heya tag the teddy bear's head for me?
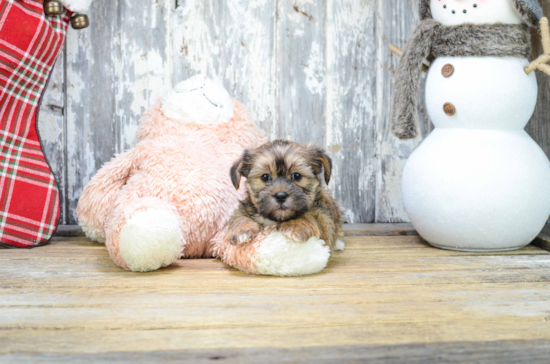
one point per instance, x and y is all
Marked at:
(201, 109)
(198, 100)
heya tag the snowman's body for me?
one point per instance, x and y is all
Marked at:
(478, 182)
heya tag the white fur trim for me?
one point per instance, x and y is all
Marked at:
(150, 240)
(77, 6)
(199, 100)
(279, 256)
(340, 245)
(93, 233)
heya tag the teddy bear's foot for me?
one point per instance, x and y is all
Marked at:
(93, 233)
(151, 239)
(279, 256)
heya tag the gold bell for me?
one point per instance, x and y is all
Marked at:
(80, 21)
(53, 7)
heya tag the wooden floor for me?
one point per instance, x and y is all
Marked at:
(386, 299)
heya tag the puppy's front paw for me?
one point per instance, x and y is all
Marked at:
(298, 231)
(241, 237)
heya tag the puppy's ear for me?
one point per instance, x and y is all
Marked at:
(326, 161)
(321, 159)
(240, 168)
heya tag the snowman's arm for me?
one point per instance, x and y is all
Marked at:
(399, 52)
(541, 62)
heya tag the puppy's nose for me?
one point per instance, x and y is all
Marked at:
(281, 196)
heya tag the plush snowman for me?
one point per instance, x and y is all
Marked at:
(478, 182)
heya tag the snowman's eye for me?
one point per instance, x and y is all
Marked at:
(454, 12)
(464, 11)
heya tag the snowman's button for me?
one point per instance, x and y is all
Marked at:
(448, 70)
(449, 109)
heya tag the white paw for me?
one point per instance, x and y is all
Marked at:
(199, 100)
(279, 256)
(340, 245)
(93, 233)
(151, 239)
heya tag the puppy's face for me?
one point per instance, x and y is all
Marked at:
(282, 178)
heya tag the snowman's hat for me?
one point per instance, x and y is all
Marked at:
(529, 10)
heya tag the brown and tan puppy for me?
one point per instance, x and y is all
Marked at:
(285, 192)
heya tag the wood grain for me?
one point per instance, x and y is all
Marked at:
(539, 127)
(301, 63)
(90, 106)
(233, 42)
(505, 352)
(69, 300)
(52, 128)
(308, 71)
(351, 106)
(349, 230)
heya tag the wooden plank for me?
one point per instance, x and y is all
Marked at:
(69, 298)
(301, 48)
(488, 352)
(379, 229)
(91, 107)
(233, 42)
(538, 127)
(69, 231)
(142, 63)
(116, 69)
(543, 239)
(349, 230)
(350, 112)
(51, 127)
(396, 20)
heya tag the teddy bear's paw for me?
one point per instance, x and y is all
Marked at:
(93, 233)
(279, 256)
(151, 239)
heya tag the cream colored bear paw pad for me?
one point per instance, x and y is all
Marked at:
(150, 240)
(279, 256)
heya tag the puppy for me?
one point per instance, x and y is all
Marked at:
(285, 192)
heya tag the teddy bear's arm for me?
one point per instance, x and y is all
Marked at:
(98, 196)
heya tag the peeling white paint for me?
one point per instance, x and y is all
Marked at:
(307, 70)
(314, 70)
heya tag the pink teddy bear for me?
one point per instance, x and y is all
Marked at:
(171, 195)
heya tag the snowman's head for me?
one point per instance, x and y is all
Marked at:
(456, 12)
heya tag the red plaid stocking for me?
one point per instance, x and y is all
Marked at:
(30, 42)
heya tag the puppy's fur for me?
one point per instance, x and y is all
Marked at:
(285, 192)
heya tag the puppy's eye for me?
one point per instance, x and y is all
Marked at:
(265, 177)
(296, 177)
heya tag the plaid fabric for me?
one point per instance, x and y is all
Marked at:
(29, 45)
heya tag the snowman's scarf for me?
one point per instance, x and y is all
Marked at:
(430, 40)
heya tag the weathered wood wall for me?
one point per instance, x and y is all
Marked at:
(309, 70)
